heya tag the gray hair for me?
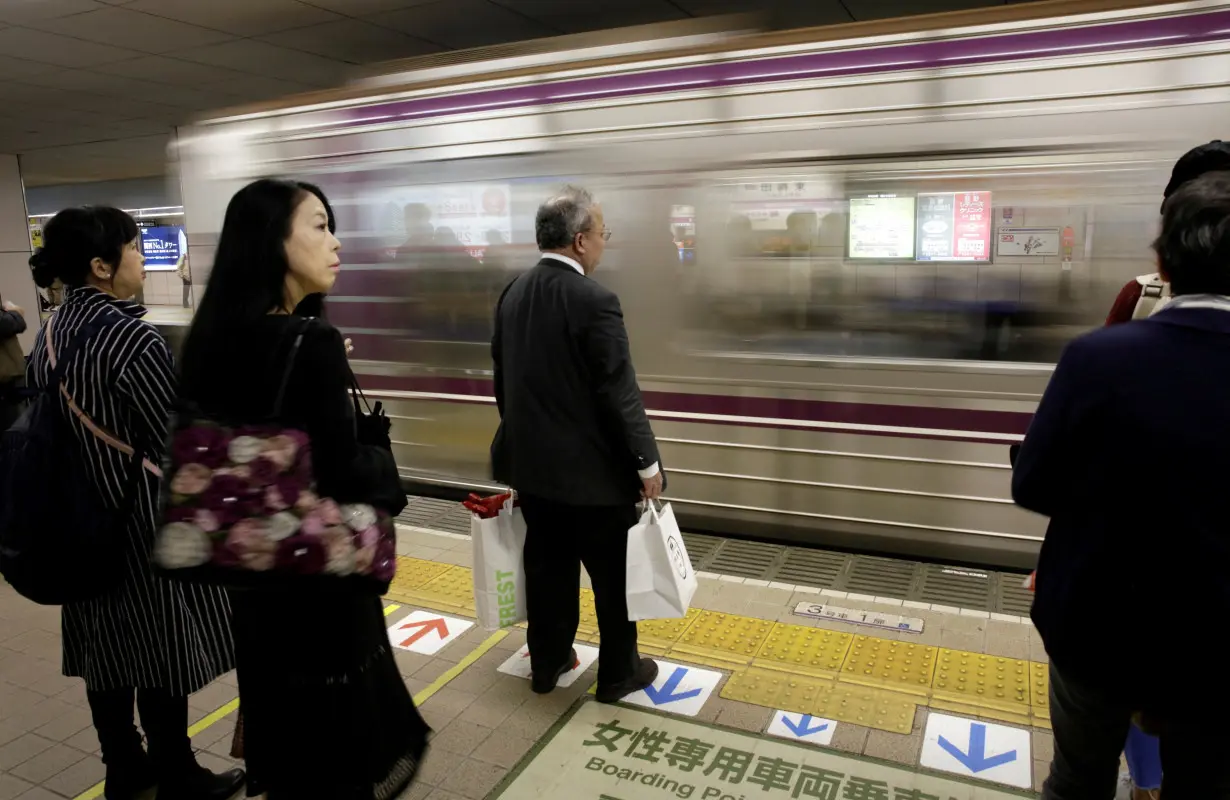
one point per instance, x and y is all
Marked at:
(561, 218)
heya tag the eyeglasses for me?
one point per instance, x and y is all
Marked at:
(605, 233)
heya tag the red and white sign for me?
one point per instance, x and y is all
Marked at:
(973, 226)
(519, 664)
(426, 633)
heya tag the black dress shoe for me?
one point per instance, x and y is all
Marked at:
(201, 784)
(646, 673)
(546, 683)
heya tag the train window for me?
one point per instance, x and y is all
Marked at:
(970, 257)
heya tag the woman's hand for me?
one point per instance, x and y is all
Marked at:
(349, 348)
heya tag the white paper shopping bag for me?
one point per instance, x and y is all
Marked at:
(499, 572)
(660, 577)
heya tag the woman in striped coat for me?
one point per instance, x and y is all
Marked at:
(148, 637)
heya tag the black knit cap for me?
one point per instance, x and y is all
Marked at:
(1211, 157)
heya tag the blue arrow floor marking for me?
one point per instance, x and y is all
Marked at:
(667, 693)
(976, 759)
(803, 727)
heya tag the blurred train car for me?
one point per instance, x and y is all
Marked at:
(847, 256)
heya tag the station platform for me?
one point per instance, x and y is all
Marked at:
(767, 689)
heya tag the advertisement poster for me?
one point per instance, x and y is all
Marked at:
(162, 245)
(1028, 242)
(881, 226)
(954, 226)
(935, 226)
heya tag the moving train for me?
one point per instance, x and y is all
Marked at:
(848, 256)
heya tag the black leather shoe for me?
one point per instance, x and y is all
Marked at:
(201, 784)
(546, 683)
(646, 673)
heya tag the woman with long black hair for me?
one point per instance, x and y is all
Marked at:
(325, 710)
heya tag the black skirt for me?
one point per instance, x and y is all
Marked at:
(325, 710)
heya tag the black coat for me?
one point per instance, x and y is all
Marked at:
(573, 428)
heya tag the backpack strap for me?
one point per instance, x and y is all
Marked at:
(1154, 295)
(60, 366)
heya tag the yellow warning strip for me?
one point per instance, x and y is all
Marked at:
(203, 723)
(459, 667)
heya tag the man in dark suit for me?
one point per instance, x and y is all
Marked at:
(1127, 455)
(575, 442)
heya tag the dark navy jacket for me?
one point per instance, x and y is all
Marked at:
(1129, 455)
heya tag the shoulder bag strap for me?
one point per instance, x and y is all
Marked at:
(58, 369)
(290, 367)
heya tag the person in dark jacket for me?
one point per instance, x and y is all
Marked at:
(325, 710)
(150, 638)
(1138, 408)
(575, 441)
(12, 362)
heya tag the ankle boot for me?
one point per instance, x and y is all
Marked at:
(129, 777)
(199, 783)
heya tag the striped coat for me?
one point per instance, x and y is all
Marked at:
(148, 632)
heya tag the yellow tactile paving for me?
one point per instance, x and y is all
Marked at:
(902, 666)
(800, 648)
(822, 697)
(981, 680)
(852, 678)
(723, 639)
(412, 573)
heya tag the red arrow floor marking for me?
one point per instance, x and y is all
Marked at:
(425, 627)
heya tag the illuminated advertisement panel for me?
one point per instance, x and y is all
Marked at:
(954, 226)
(881, 227)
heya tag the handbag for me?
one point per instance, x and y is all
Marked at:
(660, 579)
(241, 510)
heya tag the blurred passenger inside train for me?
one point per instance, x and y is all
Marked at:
(325, 710)
(1141, 296)
(12, 362)
(1123, 456)
(420, 234)
(575, 441)
(150, 637)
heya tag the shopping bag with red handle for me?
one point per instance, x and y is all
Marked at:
(497, 536)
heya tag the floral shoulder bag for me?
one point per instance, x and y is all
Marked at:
(240, 509)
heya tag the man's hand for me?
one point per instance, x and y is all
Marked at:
(652, 487)
(15, 308)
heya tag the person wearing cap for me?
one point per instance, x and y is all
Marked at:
(1142, 409)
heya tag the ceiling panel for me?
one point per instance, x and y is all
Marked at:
(359, 8)
(19, 12)
(18, 68)
(240, 17)
(256, 87)
(261, 58)
(176, 71)
(886, 9)
(572, 17)
(51, 48)
(353, 41)
(131, 29)
(463, 23)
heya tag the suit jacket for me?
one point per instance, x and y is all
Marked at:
(573, 428)
(1128, 456)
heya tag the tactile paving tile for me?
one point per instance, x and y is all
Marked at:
(903, 666)
(665, 632)
(723, 639)
(412, 573)
(798, 648)
(860, 705)
(1040, 693)
(587, 629)
(966, 710)
(983, 681)
(451, 591)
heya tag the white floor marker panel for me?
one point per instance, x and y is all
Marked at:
(678, 689)
(518, 665)
(996, 753)
(426, 632)
(802, 728)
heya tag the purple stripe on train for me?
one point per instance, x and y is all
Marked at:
(1099, 38)
(947, 423)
